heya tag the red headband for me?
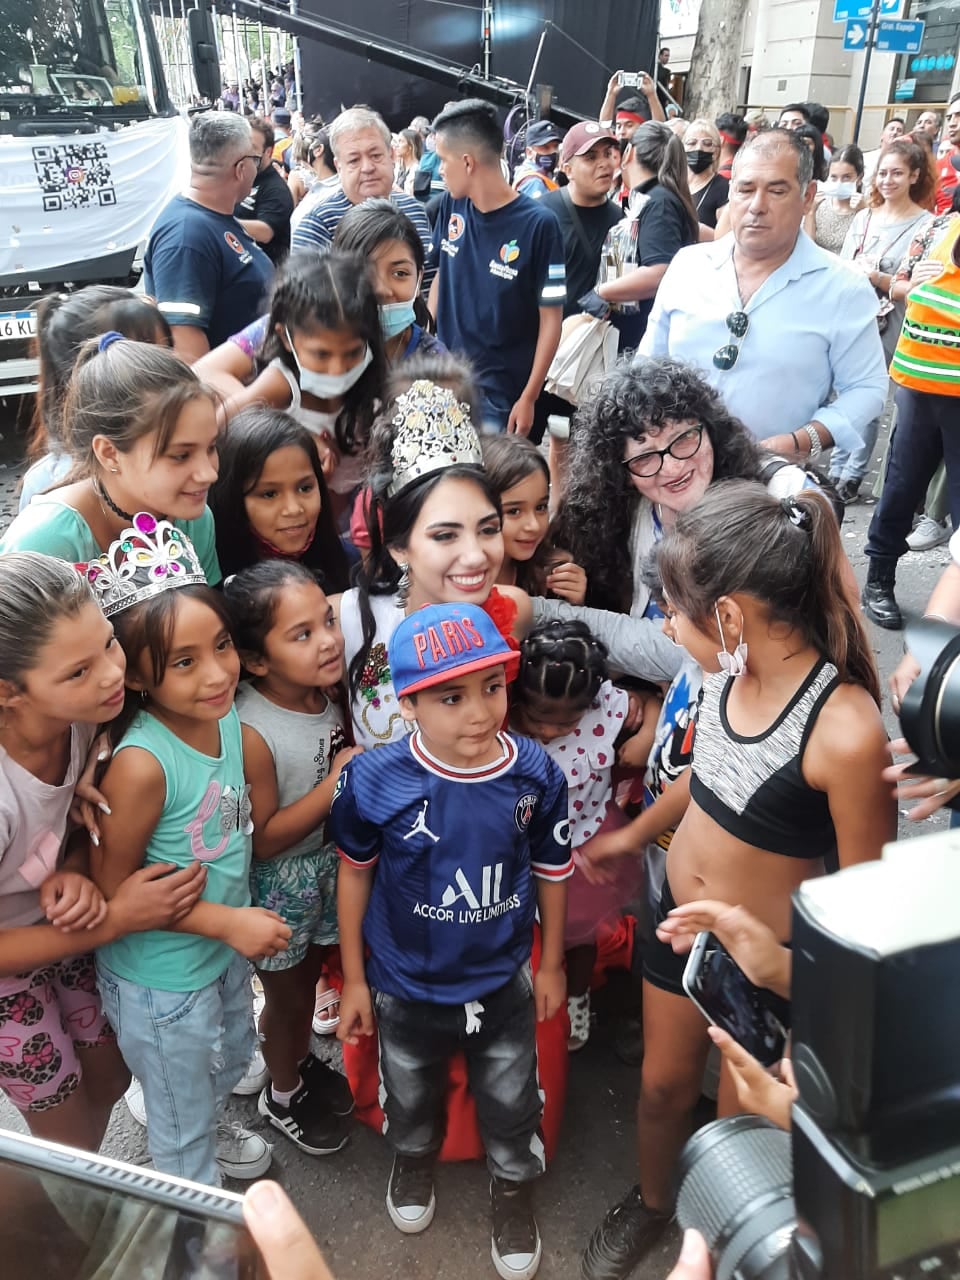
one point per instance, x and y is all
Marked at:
(729, 140)
(630, 115)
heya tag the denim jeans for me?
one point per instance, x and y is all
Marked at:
(188, 1049)
(497, 1035)
(926, 435)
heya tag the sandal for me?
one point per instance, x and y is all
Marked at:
(324, 1023)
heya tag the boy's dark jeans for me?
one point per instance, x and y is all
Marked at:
(417, 1041)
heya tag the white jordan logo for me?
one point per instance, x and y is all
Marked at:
(420, 827)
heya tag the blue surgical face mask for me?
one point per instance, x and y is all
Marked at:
(395, 317)
(330, 386)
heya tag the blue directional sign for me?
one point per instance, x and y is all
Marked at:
(846, 9)
(843, 10)
(855, 34)
(899, 37)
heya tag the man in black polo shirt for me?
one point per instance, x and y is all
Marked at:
(265, 213)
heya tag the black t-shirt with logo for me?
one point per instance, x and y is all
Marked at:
(270, 201)
(596, 221)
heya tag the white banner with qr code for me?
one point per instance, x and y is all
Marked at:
(65, 198)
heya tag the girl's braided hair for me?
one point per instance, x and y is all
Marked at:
(561, 660)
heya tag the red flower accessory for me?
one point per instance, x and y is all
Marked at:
(502, 612)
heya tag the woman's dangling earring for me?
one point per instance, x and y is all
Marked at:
(403, 586)
(734, 664)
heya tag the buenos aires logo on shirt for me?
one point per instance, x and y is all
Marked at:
(508, 253)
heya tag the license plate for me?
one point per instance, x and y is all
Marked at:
(17, 324)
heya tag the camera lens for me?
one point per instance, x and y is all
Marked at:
(736, 1188)
(930, 713)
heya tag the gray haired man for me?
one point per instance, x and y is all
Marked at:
(208, 275)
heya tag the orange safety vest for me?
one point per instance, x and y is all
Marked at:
(927, 357)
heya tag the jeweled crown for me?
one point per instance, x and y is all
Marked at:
(433, 431)
(148, 558)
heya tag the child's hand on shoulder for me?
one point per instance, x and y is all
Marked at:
(157, 897)
(87, 799)
(343, 758)
(568, 581)
(256, 932)
(549, 991)
(356, 1012)
(72, 901)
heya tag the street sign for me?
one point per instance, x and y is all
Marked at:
(843, 10)
(899, 37)
(855, 34)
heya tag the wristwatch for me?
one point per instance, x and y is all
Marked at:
(816, 444)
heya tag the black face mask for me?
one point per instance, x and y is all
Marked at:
(699, 161)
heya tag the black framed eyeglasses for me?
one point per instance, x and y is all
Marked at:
(255, 159)
(738, 322)
(644, 465)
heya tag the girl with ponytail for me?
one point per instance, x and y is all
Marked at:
(785, 782)
(661, 220)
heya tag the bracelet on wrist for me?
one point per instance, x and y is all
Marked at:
(796, 443)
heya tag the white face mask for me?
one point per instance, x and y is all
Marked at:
(734, 664)
(330, 386)
(841, 190)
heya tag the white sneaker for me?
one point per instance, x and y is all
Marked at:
(254, 1078)
(929, 533)
(135, 1103)
(578, 1011)
(241, 1153)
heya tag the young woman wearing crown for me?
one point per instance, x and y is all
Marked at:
(435, 530)
(435, 533)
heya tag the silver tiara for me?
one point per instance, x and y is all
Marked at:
(148, 558)
(433, 431)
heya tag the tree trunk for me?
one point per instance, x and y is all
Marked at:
(714, 80)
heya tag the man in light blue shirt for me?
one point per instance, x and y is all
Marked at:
(785, 332)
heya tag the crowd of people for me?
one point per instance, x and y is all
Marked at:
(314, 657)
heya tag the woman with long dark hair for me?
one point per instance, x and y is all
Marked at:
(662, 218)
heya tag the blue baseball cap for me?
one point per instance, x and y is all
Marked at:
(441, 641)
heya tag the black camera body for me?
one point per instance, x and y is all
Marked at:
(874, 1189)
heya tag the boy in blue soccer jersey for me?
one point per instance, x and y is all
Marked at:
(449, 841)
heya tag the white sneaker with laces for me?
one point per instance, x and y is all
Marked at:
(254, 1078)
(578, 1011)
(929, 533)
(241, 1153)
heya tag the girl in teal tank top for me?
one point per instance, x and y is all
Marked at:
(180, 1000)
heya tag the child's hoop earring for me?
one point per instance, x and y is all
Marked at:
(403, 585)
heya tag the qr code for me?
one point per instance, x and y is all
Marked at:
(74, 175)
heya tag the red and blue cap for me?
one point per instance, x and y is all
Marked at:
(441, 641)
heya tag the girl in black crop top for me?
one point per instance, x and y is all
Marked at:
(785, 780)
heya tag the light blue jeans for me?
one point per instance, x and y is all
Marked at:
(188, 1049)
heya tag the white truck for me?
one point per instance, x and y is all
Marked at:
(91, 148)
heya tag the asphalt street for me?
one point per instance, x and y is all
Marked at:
(342, 1196)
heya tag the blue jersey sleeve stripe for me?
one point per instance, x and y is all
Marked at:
(548, 872)
(357, 862)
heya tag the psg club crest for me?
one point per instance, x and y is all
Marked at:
(523, 813)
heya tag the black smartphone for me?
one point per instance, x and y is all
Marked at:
(70, 1215)
(756, 1018)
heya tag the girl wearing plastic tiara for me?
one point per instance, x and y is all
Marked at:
(563, 698)
(65, 323)
(294, 746)
(142, 433)
(435, 538)
(270, 499)
(322, 360)
(61, 675)
(181, 1000)
(785, 781)
(521, 476)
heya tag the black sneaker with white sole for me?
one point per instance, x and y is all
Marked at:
(328, 1084)
(307, 1121)
(411, 1201)
(514, 1237)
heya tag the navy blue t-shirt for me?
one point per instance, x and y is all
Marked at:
(496, 270)
(205, 271)
(451, 910)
